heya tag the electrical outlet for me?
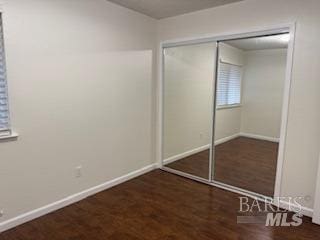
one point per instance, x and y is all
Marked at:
(78, 171)
(1, 212)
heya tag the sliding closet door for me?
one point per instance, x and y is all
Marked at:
(188, 92)
(249, 99)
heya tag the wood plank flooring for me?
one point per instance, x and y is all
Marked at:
(242, 162)
(155, 206)
(247, 163)
(196, 164)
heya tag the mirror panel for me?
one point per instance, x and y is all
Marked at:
(249, 99)
(188, 107)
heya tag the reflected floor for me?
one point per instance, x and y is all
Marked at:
(196, 164)
(242, 162)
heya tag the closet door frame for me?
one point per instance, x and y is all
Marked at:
(316, 208)
(283, 28)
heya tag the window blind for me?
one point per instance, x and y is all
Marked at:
(228, 85)
(4, 109)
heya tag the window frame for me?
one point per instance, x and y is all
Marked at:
(234, 105)
(6, 133)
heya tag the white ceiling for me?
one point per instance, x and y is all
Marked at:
(260, 43)
(168, 8)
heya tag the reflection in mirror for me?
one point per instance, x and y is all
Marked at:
(187, 107)
(250, 85)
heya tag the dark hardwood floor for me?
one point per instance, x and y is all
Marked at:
(156, 206)
(242, 162)
(196, 164)
(247, 163)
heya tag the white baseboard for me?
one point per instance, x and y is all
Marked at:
(304, 210)
(226, 139)
(197, 150)
(186, 154)
(217, 142)
(26, 217)
(260, 137)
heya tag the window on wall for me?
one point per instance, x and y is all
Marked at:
(4, 108)
(228, 85)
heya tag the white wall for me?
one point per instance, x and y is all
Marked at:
(231, 54)
(188, 89)
(72, 102)
(303, 135)
(80, 85)
(262, 92)
(188, 93)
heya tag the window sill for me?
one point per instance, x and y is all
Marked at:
(10, 137)
(228, 106)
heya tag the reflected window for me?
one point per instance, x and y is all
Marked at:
(229, 85)
(4, 109)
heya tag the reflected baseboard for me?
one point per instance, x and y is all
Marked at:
(217, 142)
(185, 154)
(259, 137)
(197, 150)
(226, 139)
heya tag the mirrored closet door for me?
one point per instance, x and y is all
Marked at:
(222, 111)
(188, 82)
(249, 99)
